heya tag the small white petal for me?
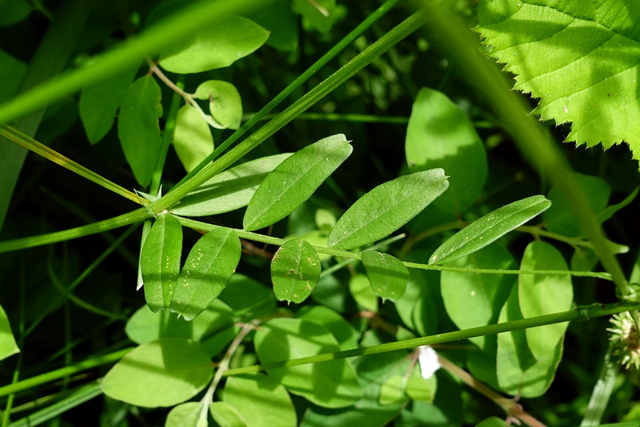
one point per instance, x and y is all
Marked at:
(428, 361)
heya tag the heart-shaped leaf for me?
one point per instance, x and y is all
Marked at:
(295, 270)
(386, 208)
(160, 261)
(208, 268)
(387, 274)
(489, 228)
(295, 180)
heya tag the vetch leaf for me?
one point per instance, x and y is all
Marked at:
(160, 261)
(342, 331)
(489, 228)
(361, 291)
(248, 298)
(580, 58)
(188, 414)
(138, 127)
(159, 373)
(440, 135)
(282, 23)
(219, 46)
(192, 139)
(317, 14)
(331, 384)
(294, 181)
(8, 345)
(392, 391)
(208, 268)
(387, 274)
(386, 208)
(247, 395)
(225, 104)
(541, 294)
(226, 415)
(99, 103)
(229, 190)
(295, 270)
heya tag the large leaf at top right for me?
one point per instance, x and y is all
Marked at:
(581, 58)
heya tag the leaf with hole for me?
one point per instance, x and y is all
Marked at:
(294, 181)
(159, 373)
(192, 139)
(331, 384)
(160, 261)
(386, 208)
(229, 190)
(247, 394)
(138, 127)
(225, 104)
(208, 268)
(218, 46)
(387, 274)
(489, 228)
(295, 270)
(440, 135)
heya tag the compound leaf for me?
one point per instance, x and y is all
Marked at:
(489, 228)
(226, 415)
(295, 180)
(386, 208)
(208, 268)
(580, 58)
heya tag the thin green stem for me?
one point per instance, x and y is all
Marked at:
(299, 81)
(580, 313)
(63, 372)
(40, 149)
(394, 36)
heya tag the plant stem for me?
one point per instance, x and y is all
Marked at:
(580, 313)
(29, 143)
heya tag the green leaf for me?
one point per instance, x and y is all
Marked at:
(281, 22)
(248, 298)
(160, 261)
(145, 326)
(318, 14)
(561, 218)
(192, 139)
(188, 414)
(8, 345)
(159, 373)
(331, 384)
(473, 299)
(99, 103)
(519, 372)
(295, 270)
(492, 422)
(11, 73)
(225, 104)
(361, 290)
(387, 274)
(226, 415)
(440, 135)
(138, 127)
(541, 294)
(12, 12)
(578, 57)
(392, 391)
(219, 46)
(489, 228)
(609, 211)
(247, 395)
(341, 330)
(386, 208)
(208, 268)
(294, 181)
(229, 190)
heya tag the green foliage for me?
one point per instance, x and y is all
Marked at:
(577, 57)
(420, 295)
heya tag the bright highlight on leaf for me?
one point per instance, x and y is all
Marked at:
(489, 228)
(229, 190)
(160, 261)
(580, 58)
(192, 139)
(8, 345)
(387, 274)
(295, 270)
(208, 268)
(295, 180)
(386, 208)
(160, 373)
(225, 104)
